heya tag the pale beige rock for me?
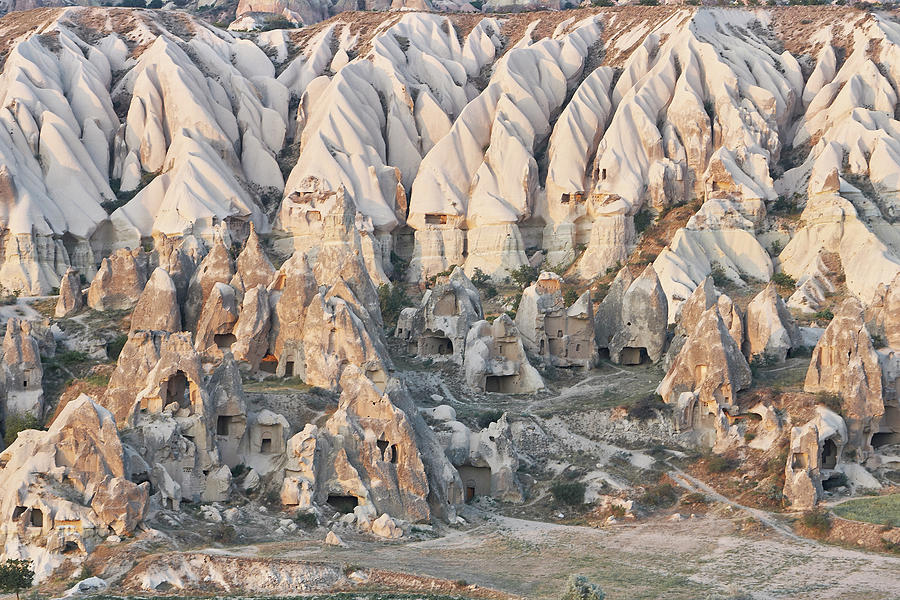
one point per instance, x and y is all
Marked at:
(608, 318)
(119, 281)
(121, 504)
(176, 256)
(252, 328)
(496, 360)
(385, 527)
(332, 539)
(71, 296)
(802, 476)
(292, 291)
(771, 330)
(642, 333)
(214, 329)
(216, 267)
(157, 308)
(252, 267)
(844, 362)
(22, 370)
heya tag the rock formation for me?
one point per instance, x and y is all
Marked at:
(845, 363)
(65, 489)
(216, 267)
(157, 308)
(802, 474)
(608, 318)
(563, 336)
(252, 267)
(642, 332)
(438, 327)
(22, 371)
(771, 330)
(71, 296)
(705, 377)
(217, 320)
(496, 361)
(119, 281)
(251, 330)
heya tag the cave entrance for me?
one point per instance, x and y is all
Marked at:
(223, 425)
(885, 438)
(829, 454)
(265, 445)
(70, 546)
(436, 345)
(501, 384)
(289, 368)
(224, 341)
(387, 451)
(177, 390)
(18, 512)
(476, 481)
(37, 517)
(634, 356)
(343, 504)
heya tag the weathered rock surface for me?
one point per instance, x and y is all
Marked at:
(119, 281)
(22, 371)
(845, 363)
(157, 308)
(802, 474)
(71, 296)
(642, 327)
(252, 267)
(771, 330)
(216, 267)
(496, 361)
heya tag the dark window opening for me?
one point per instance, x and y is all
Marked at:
(224, 341)
(394, 454)
(289, 369)
(265, 446)
(269, 364)
(885, 438)
(829, 454)
(435, 219)
(382, 447)
(435, 344)
(343, 504)
(222, 425)
(559, 333)
(24, 383)
(70, 546)
(18, 512)
(501, 384)
(37, 517)
(603, 174)
(470, 493)
(835, 481)
(799, 461)
(177, 390)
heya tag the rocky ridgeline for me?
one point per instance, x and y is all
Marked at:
(146, 156)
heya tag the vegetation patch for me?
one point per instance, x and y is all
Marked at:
(881, 510)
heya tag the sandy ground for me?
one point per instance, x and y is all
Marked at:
(705, 557)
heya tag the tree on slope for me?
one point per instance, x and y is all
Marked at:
(15, 575)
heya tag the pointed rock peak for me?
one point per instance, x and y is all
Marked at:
(157, 308)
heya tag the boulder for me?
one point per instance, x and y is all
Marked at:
(71, 296)
(157, 308)
(771, 330)
(121, 504)
(608, 318)
(844, 362)
(385, 527)
(119, 281)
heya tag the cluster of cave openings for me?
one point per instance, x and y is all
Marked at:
(501, 384)
(177, 390)
(343, 504)
(634, 356)
(387, 451)
(37, 515)
(435, 344)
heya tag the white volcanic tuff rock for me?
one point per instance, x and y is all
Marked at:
(376, 449)
(22, 371)
(844, 362)
(462, 181)
(496, 361)
(802, 472)
(771, 330)
(216, 267)
(217, 319)
(66, 486)
(252, 328)
(643, 321)
(438, 327)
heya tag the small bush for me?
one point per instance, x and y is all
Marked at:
(483, 282)
(568, 492)
(720, 464)
(817, 521)
(719, 277)
(223, 533)
(662, 496)
(830, 401)
(71, 357)
(646, 408)
(749, 436)
(17, 423)
(15, 575)
(306, 520)
(524, 276)
(114, 347)
(784, 280)
(694, 498)
(642, 221)
(579, 588)
(392, 300)
(824, 315)
(238, 470)
(570, 297)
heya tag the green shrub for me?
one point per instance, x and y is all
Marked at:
(749, 436)
(568, 492)
(570, 297)
(524, 276)
(238, 470)
(817, 521)
(824, 315)
(484, 283)
(784, 280)
(831, 401)
(642, 221)
(579, 588)
(392, 299)
(488, 417)
(719, 277)
(306, 520)
(646, 408)
(114, 346)
(720, 464)
(18, 422)
(71, 357)
(661, 495)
